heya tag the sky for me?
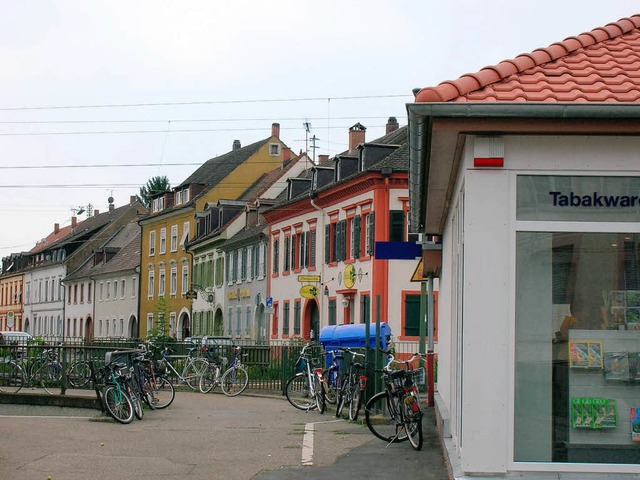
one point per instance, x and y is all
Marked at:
(98, 97)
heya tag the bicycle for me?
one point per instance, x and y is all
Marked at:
(16, 372)
(305, 390)
(232, 382)
(78, 373)
(192, 369)
(160, 390)
(352, 387)
(114, 396)
(394, 414)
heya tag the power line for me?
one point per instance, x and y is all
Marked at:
(194, 120)
(210, 102)
(118, 132)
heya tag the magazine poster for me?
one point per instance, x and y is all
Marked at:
(578, 354)
(635, 424)
(616, 366)
(585, 354)
(595, 354)
(593, 413)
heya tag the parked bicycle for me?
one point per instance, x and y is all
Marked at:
(17, 371)
(394, 414)
(114, 395)
(155, 379)
(191, 370)
(232, 382)
(305, 390)
(352, 386)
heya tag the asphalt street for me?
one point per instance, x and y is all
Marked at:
(205, 437)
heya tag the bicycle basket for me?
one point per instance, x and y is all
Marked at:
(301, 365)
(398, 378)
(418, 376)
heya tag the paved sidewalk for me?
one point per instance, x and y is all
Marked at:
(205, 437)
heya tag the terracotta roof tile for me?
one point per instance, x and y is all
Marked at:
(602, 65)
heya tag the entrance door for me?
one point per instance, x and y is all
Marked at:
(311, 320)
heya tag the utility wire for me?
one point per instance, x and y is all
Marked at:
(195, 120)
(211, 102)
(118, 132)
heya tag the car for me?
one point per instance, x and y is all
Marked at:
(11, 337)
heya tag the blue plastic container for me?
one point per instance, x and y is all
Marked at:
(353, 336)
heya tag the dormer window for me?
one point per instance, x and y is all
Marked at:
(178, 197)
(158, 204)
(274, 149)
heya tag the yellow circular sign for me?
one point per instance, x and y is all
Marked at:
(309, 291)
(349, 276)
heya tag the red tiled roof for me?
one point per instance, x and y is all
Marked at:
(51, 239)
(602, 65)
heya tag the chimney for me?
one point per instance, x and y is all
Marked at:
(56, 228)
(236, 145)
(322, 159)
(392, 125)
(74, 222)
(286, 154)
(275, 130)
(132, 199)
(356, 136)
(96, 212)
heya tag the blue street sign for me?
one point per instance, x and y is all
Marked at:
(269, 302)
(398, 250)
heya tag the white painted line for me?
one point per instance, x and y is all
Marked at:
(307, 445)
(43, 416)
(307, 442)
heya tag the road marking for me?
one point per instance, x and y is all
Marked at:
(307, 442)
(42, 416)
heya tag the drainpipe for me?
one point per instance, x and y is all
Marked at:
(322, 277)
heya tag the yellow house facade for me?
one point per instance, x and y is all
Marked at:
(165, 264)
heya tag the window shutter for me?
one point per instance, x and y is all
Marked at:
(372, 234)
(312, 261)
(356, 236)
(276, 246)
(327, 243)
(287, 243)
(294, 261)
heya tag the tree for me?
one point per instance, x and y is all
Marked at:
(153, 186)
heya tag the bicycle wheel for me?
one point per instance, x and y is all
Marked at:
(163, 392)
(234, 381)
(193, 371)
(11, 377)
(355, 402)
(134, 396)
(209, 378)
(79, 375)
(382, 418)
(118, 404)
(412, 421)
(298, 392)
(330, 387)
(319, 391)
(48, 377)
(341, 396)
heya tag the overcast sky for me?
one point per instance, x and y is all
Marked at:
(108, 94)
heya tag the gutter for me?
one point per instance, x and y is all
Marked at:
(421, 116)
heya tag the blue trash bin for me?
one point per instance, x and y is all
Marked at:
(333, 337)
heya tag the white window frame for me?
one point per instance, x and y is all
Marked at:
(174, 281)
(149, 323)
(162, 282)
(185, 233)
(134, 286)
(163, 240)
(185, 278)
(274, 149)
(151, 284)
(174, 238)
(152, 243)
